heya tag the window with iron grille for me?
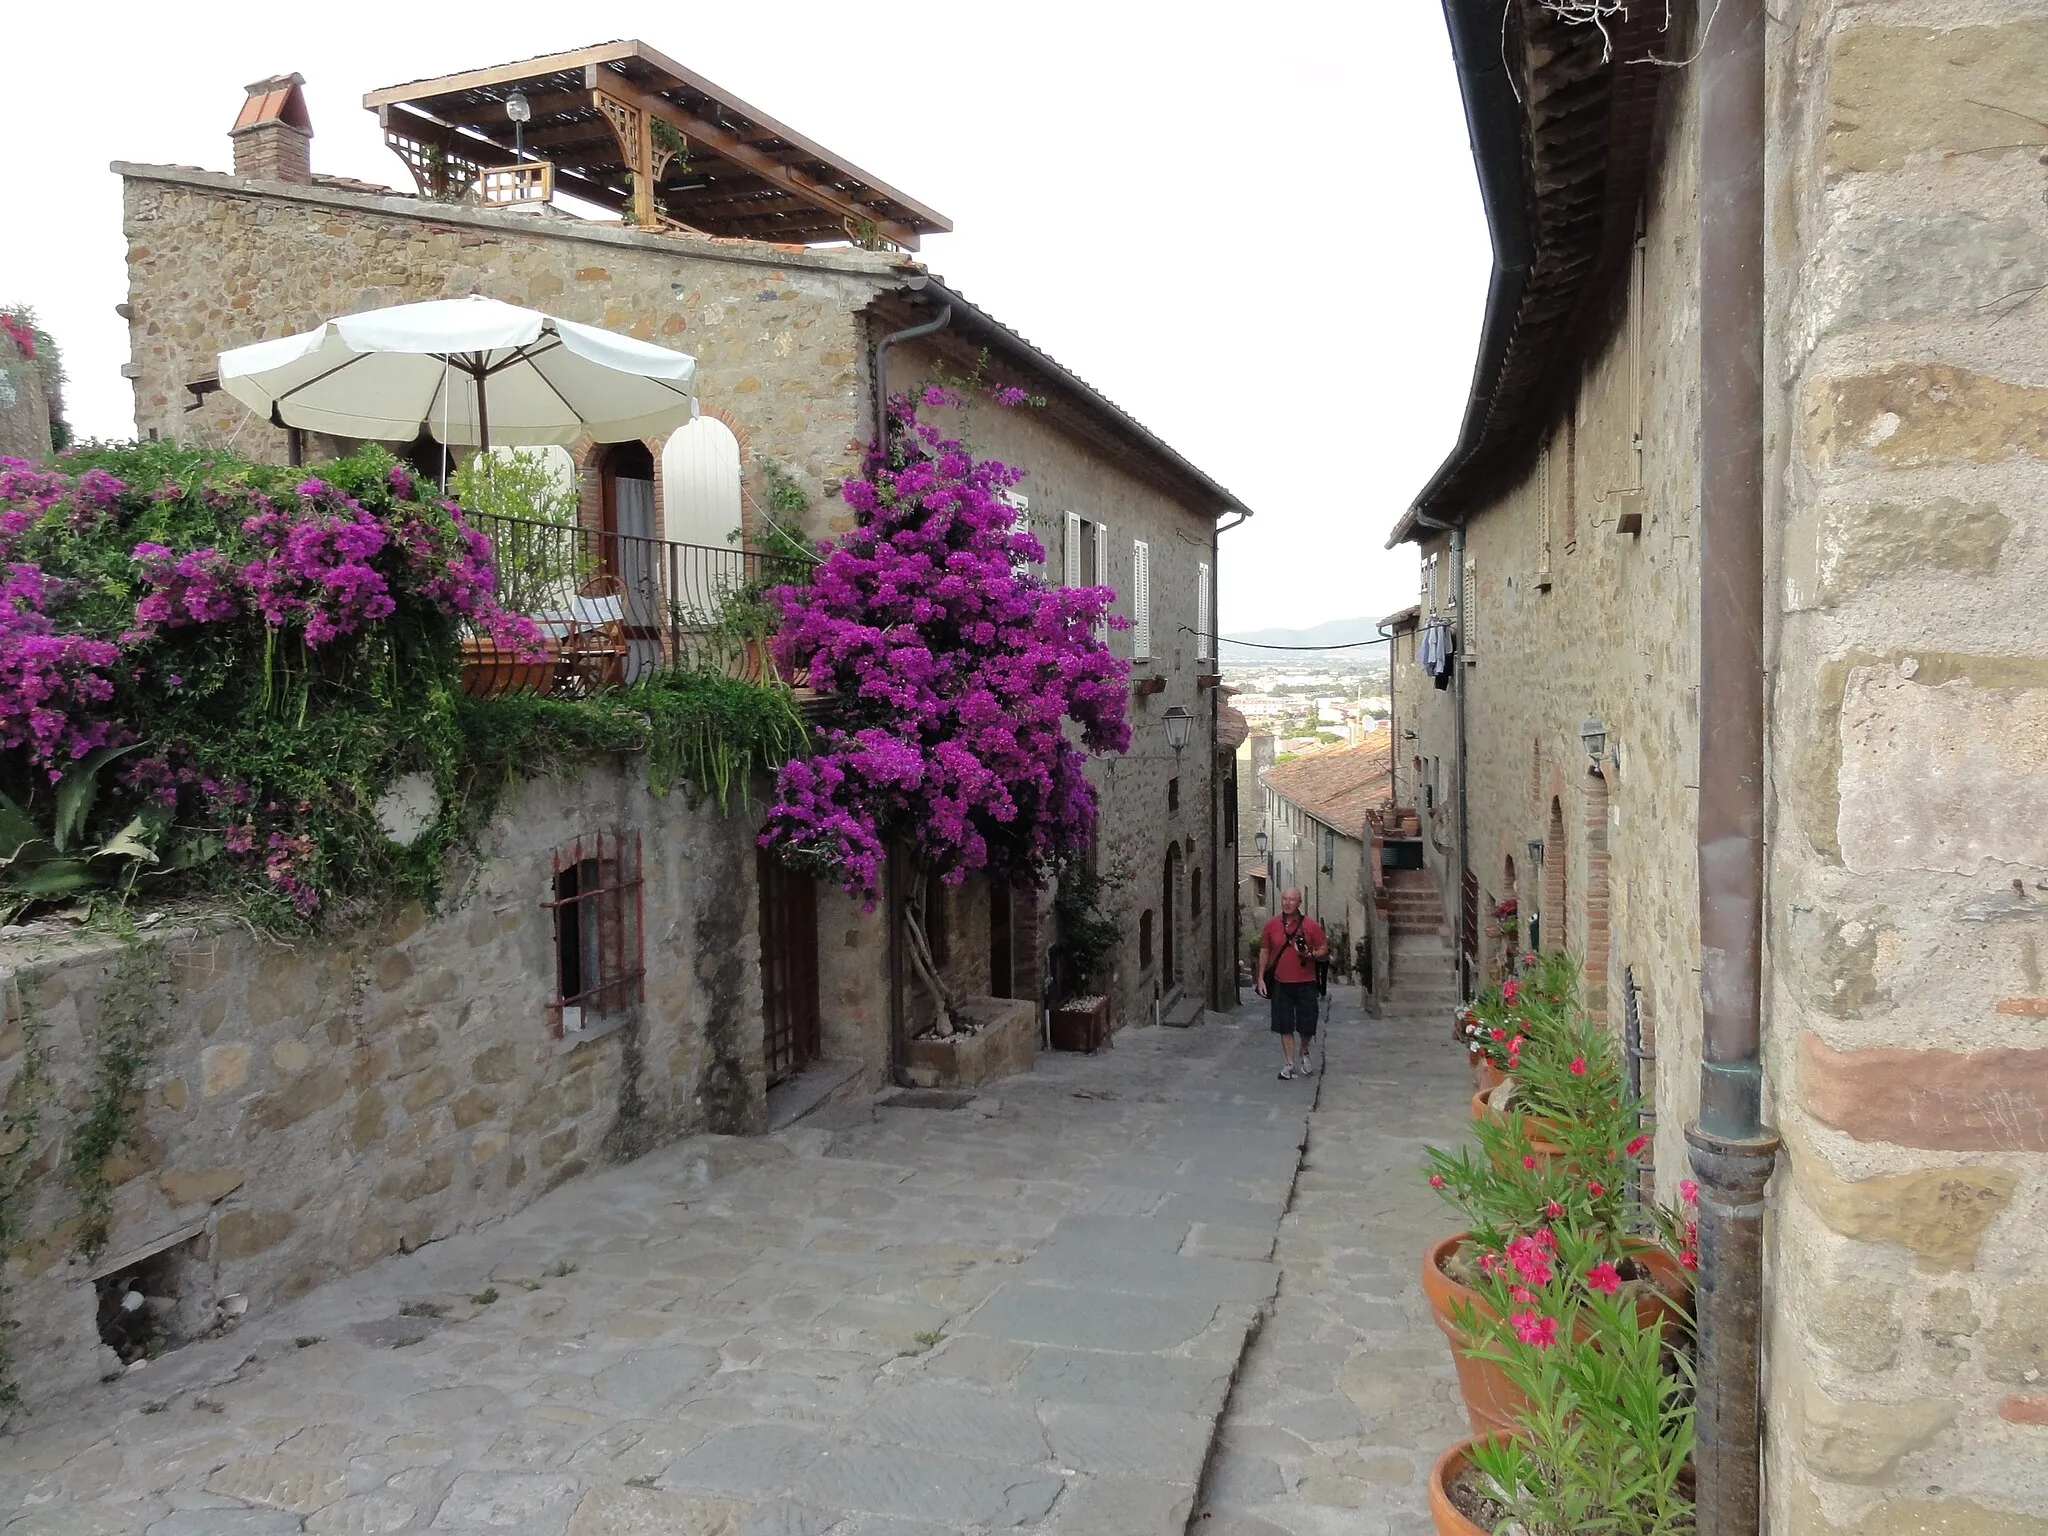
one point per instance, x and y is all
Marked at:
(595, 900)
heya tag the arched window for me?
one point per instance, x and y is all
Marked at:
(700, 484)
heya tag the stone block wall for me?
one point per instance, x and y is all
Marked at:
(307, 1109)
(1909, 845)
(215, 262)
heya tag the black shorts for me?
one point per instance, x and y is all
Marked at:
(1294, 1008)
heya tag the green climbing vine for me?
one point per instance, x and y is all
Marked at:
(21, 1114)
(126, 1030)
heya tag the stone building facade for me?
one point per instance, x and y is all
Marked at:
(1907, 1356)
(789, 342)
(305, 1110)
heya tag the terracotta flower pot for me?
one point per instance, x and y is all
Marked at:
(1492, 1402)
(1485, 1075)
(1539, 1144)
(1449, 1522)
(491, 670)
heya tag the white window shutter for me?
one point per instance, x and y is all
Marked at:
(1205, 642)
(1141, 598)
(1102, 577)
(1071, 574)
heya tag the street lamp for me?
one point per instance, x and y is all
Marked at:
(1262, 842)
(1180, 721)
(520, 110)
(1593, 736)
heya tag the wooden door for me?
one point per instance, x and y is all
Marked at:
(789, 967)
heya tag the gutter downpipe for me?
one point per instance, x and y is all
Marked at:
(878, 357)
(1732, 1151)
(1457, 533)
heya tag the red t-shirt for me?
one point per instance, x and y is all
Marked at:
(1293, 966)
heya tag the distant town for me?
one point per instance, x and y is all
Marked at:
(1309, 699)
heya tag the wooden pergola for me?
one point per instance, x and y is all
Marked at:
(621, 126)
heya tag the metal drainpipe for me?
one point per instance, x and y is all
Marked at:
(1731, 1149)
(1457, 533)
(878, 360)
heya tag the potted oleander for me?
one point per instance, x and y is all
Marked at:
(1604, 1437)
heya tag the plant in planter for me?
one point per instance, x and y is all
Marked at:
(1604, 1438)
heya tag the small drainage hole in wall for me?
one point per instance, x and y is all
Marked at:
(149, 1306)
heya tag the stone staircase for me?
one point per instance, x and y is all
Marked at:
(1425, 971)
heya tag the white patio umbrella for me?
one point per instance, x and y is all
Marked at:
(471, 371)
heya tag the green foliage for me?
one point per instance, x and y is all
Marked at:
(124, 1030)
(1088, 935)
(536, 567)
(303, 743)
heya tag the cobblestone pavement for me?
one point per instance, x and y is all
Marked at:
(1347, 1395)
(1025, 1312)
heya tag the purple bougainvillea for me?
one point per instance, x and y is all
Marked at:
(957, 678)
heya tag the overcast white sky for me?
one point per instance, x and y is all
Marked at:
(1254, 226)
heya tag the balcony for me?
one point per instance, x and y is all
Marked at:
(614, 608)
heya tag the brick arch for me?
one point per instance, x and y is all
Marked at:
(1598, 932)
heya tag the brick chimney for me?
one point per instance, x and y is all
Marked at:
(273, 135)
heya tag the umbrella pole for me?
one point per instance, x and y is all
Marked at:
(483, 415)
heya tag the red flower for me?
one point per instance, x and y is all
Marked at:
(1689, 1191)
(1528, 1161)
(1532, 1329)
(1530, 1260)
(1498, 1034)
(1688, 1258)
(1604, 1278)
(1578, 1066)
(1635, 1148)
(1595, 1188)
(1508, 989)
(1522, 1293)
(1436, 1181)
(1552, 1209)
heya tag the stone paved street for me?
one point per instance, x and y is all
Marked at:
(1022, 1312)
(1347, 1395)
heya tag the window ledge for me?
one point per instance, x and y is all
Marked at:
(1145, 687)
(569, 1039)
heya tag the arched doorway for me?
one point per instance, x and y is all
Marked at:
(1169, 950)
(629, 562)
(1555, 933)
(1598, 934)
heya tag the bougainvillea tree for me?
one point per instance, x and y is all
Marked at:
(965, 692)
(223, 658)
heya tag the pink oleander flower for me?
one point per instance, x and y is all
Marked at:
(1532, 1328)
(1688, 1259)
(1604, 1278)
(1521, 1293)
(1529, 1161)
(1635, 1148)
(1510, 990)
(1595, 1188)
(1436, 1181)
(1689, 1191)
(1530, 1260)
(1578, 1066)
(1552, 1209)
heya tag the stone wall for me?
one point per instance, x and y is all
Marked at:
(310, 1108)
(1905, 1064)
(24, 404)
(1909, 1352)
(215, 262)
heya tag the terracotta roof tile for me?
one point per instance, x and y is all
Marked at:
(1339, 786)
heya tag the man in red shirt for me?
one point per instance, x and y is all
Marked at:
(1288, 951)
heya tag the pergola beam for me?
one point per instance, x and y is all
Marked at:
(723, 142)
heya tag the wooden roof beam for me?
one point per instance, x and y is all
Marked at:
(726, 144)
(418, 91)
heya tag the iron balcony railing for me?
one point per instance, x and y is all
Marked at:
(616, 606)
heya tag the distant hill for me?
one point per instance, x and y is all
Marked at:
(1330, 632)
